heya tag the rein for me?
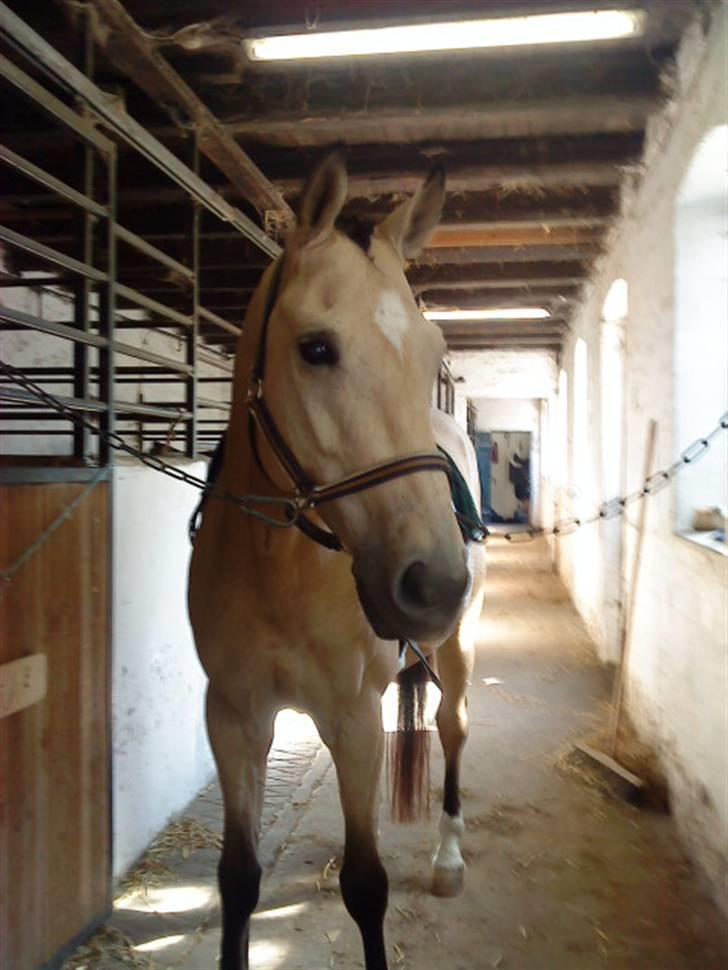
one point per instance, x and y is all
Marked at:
(307, 495)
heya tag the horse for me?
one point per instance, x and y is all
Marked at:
(331, 417)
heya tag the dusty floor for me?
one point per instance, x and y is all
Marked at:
(560, 876)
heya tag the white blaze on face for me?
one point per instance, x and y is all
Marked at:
(392, 318)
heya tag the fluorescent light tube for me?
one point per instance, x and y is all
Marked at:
(506, 313)
(556, 28)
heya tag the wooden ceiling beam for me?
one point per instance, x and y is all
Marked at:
(515, 119)
(508, 254)
(477, 179)
(439, 288)
(564, 296)
(488, 274)
(492, 343)
(499, 339)
(480, 236)
(498, 328)
(130, 49)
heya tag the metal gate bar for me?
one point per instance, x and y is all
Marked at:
(90, 277)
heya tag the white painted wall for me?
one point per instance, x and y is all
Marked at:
(161, 757)
(497, 414)
(460, 413)
(504, 373)
(677, 676)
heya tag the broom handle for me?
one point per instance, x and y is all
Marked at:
(628, 617)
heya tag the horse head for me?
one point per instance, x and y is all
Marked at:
(350, 364)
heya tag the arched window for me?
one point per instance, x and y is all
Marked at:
(701, 329)
(580, 426)
(614, 318)
(611, 365)
(561, 432)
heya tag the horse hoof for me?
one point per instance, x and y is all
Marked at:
(447, 881)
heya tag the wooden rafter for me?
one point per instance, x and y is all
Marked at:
(132, 52)
(508, 178)
(498, 253)
(477, 237)
(534, 118)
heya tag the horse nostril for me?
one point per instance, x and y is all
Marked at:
(416, 588)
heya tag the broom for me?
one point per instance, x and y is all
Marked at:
(625, 782)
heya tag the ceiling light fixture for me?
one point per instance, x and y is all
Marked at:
(555, 28)
(504, 313)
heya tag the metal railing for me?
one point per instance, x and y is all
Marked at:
(101, 302)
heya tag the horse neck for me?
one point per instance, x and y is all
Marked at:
(240, 471)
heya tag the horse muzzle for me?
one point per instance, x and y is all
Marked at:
(422, 601)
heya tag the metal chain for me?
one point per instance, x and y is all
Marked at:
(245, 503)
(607, 510)
(615, 507)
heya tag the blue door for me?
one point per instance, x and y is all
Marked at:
(483, 454)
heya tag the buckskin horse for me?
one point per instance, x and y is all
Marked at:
(331, 415)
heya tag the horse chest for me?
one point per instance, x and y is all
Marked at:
(279, 618)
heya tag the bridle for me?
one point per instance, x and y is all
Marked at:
(307, 495)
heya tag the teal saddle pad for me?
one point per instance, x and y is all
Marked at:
(471, 525)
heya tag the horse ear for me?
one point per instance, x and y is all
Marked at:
(408, 227)
(323, 198)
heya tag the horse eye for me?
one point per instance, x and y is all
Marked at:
(318, 351)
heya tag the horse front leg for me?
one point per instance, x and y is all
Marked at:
(240, 747)
(357, 747)
(455, 666)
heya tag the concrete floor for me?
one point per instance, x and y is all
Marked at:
(561, 877)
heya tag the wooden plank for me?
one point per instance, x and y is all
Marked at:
(504, 343)
(54, 756)
(554, 299)
(516, 119)
(483, 236)
(420, 275)
(603, 759)
(479, 330)
(439, 287)
(477, 178)
(460, 255)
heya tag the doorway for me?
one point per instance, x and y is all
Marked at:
(505, 469)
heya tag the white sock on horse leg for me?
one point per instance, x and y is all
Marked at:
(448, 867)
(448, 855)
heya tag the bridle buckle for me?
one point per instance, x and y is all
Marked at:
(302, 501)
(255, 390)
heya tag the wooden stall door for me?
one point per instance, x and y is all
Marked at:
(54, 755)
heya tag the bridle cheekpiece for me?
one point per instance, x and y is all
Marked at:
(307, 495)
